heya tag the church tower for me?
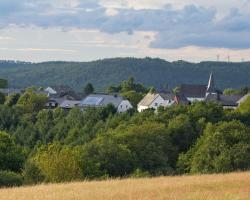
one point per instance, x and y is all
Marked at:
(211, 85)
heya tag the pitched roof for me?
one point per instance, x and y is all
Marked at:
(193, 91)
(181, 99)
(224, 100)
(101, 100)
(61, 88)
(167, 96)
(148, 99)
(68, 104)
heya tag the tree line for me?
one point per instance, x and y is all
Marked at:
(39, 145)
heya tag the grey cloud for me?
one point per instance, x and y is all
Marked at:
(191, 25)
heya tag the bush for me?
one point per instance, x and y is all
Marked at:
(138, 173)
(10, 179)
(32, 174)
(224, 147)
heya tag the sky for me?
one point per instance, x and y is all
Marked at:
(84, 30)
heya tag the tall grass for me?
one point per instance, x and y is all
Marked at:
(235, 186)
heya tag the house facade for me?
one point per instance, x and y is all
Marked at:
(99, 100)
(155, 100)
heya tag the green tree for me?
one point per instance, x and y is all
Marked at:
(176, 90)
(88, 89)
(3, 83)
(223, 147)
(104, 157)
(2, 98)
(229, 91)
(151, 146)
(181, 132)
(11, 157)
(133, 96)
(32, 102)
(58, 163)
(244, 107)
(12, 99)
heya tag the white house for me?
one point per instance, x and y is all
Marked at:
(155, 100)
(98, 100)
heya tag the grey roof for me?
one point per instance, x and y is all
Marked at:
(66, 92)
(57, 100)
(167, 95)
(61, 88)
(224, 100)
(101, 100)
(68, 104)
(181, 99)
(193, 91)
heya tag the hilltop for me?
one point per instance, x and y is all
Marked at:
(102, 73)
(205, 187)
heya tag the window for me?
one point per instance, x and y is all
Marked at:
(121, 106)
(156, 104)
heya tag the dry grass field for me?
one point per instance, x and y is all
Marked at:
(235, 186)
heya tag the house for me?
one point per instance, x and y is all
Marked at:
(69, 104)
(193, 92)
(54, 102)
(155, 100)
(181, 99)
(198, 92)
(62, 92)
(227, 101)
(99, 100)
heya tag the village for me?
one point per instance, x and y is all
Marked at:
(66, 98)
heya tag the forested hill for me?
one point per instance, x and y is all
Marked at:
(102, 73)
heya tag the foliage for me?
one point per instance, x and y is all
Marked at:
(242, 91)
(104, 157)
(11, 157)
(98, 143)
(133, 96)
(58, 163)
(224, 147)
(10, 179)
(3, 83)
(32, 102)
(104, 73)
(12, 99)
(32, 174)
(88, 89)
(2, 98)
(245, 106)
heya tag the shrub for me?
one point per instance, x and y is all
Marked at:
(10, 179)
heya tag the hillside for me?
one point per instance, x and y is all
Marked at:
(102, 73)
(206, 187)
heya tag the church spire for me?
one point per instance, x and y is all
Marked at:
(211, 84)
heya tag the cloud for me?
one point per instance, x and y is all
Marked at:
(176, 27)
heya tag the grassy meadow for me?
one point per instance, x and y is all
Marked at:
(234, 186)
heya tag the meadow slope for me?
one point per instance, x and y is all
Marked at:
(234, 186)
